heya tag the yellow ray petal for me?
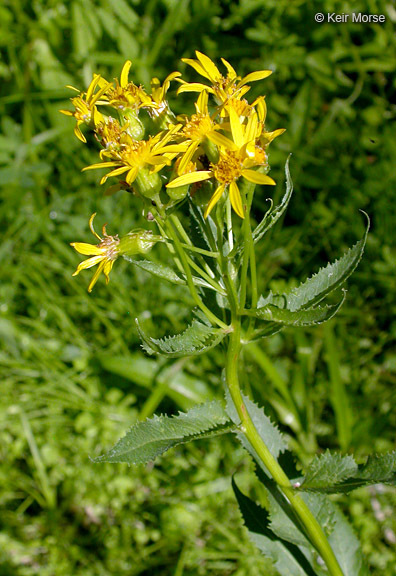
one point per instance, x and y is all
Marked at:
(117, 171)
(131, 176)
(236, 128)
(197, 67)
(269, 136)
(236, 200)
(208, 66)
(231, 72)
(88, 264)
(124, 74)
(79, 134)
(194, 87)
(201, 104)
(222, 141)
(100, 165)
(190, 178)
(254, 76)
(257, 177)
(87, 249)
(92, 86)
(187, 157)
(108, 265)
(215, 198)
(251, 128)
(96, 276)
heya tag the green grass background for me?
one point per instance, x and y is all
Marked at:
(73, 376)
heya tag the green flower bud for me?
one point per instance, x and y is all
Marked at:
(137, 242)
(135, 126)
(147, 183)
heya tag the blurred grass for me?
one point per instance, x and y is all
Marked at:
(73, 376)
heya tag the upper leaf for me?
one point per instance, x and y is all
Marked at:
(196, 339)
(273, 215)
(147, 440)
(157, 269)
(305, 317)
(327, 279)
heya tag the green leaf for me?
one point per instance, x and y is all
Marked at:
(269, 433)
(346, 546)
(328, 469)
(147, 440)
(331, 473)
(340, 535)
(306, 317)
(157, 269)
(269, 329)
(326, 280)
(287, 558)
(195, 340)
(166, 273)
(273, 215)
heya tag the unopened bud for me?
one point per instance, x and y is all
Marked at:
(137, 242)
(135, 126)
(148, 183)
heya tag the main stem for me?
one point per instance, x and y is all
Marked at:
(308, 521)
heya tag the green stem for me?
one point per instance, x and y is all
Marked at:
(305, 516)
(190, 282)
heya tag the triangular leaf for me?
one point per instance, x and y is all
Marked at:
(327, 279)
(287, 558)
(305, 317)
(196, 339)
(147, 440)
(273, 215)
(266, 429)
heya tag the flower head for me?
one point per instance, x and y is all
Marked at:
(222, 87)
(126, 95)
(237, 158)
(105, 254)
(133, 155)
(86, 111)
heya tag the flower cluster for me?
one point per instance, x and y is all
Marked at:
(144, 144)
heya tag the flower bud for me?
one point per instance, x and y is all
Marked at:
(147, 183)
(135, 126)
(137, 242)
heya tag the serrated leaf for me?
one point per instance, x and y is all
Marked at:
(273, 215)
(269, 329)
(327, 279)
(157, 269)
(346, 546)
(147, 440)
(195, 340)
(331, 473)
(305, 317)
(166, 273)
(269, 433)
(287, 558)
(328, 470)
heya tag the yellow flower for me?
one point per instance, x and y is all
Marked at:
(154, 153)
(158, 93)
(85, 104)
(223, 88)
(197, 129)
(237, 158)
(125, 94)
(105, 254)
